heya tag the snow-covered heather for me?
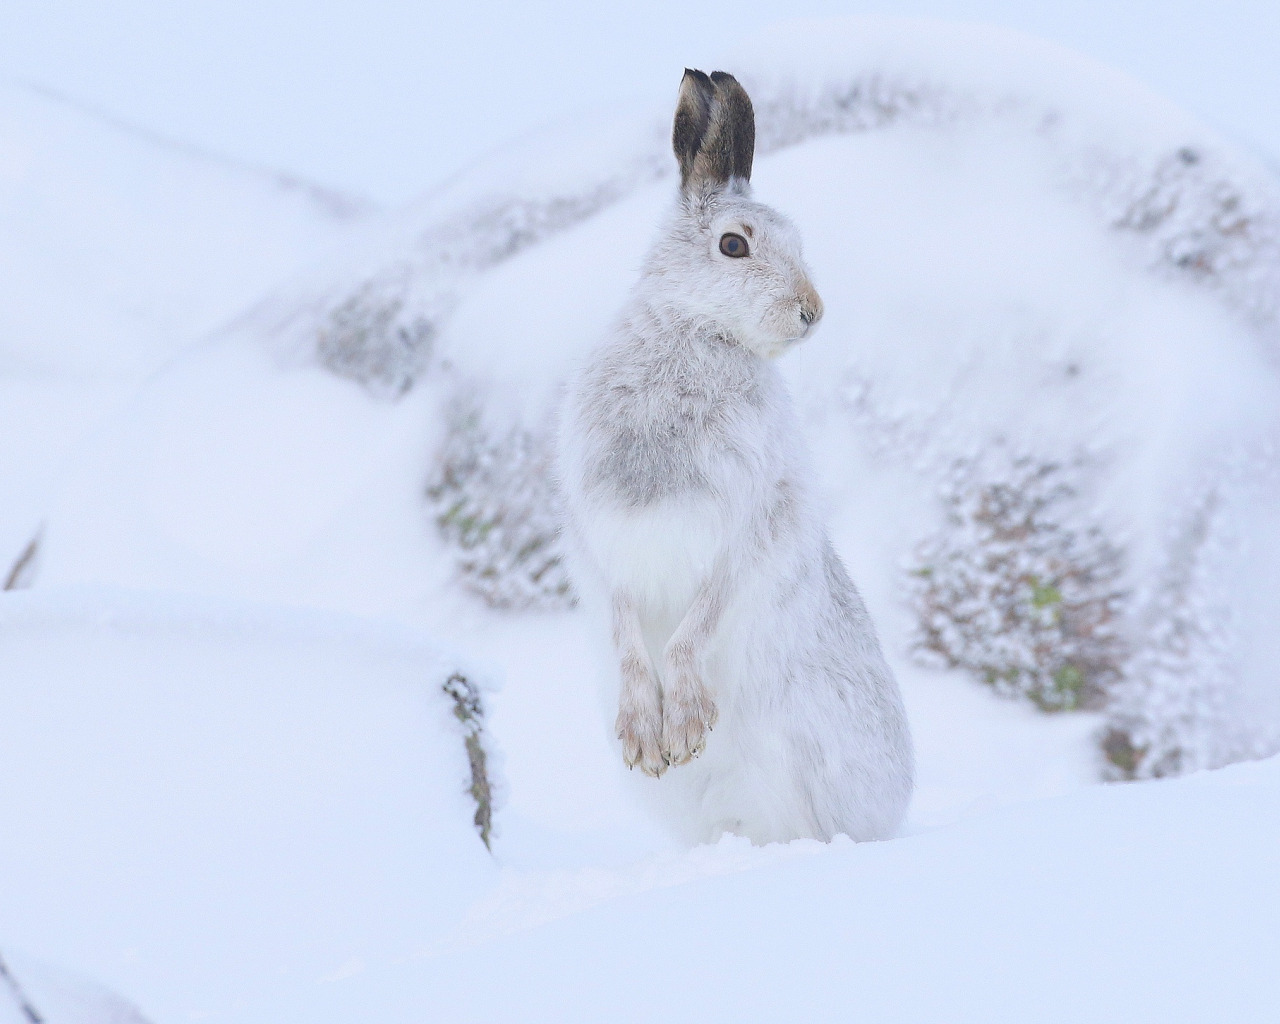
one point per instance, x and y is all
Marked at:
(241, 791)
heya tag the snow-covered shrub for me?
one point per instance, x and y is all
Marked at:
(786, 115)
(1180, 707)
(494, 503)
(1018, 588)
(1169, 715)
(371, 337)
(1209, 222)
(380, 333)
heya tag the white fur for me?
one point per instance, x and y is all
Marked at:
(688, 512)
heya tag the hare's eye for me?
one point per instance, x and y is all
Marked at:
(734, 245)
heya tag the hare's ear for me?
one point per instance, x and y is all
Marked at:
(715, 131)
(731, 139)
(693, 116)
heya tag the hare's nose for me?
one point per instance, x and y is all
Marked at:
(810, 307)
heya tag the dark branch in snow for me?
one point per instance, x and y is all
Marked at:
(470, 712)
(19, 997)
(20, 574)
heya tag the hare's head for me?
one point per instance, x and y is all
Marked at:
(725, 258)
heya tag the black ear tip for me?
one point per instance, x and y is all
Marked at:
(700, 77)
(714, 131)
(726, 85)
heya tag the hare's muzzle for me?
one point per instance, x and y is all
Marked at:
(810, 307)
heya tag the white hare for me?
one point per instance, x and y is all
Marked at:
(688, 511)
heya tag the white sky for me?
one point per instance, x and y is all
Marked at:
(385, 97)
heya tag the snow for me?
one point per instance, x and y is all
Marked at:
(119, 247)
(54, 995)
(117, 251)
(239, 792)
(221, 801)
(1106, 905)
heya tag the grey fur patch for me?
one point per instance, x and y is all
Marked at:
(659, 417)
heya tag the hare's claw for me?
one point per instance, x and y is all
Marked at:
(641, 736)
(688, 713)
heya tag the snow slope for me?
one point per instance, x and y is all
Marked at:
(1109, 905)
(29, 987)
(221, 802)
(224, 698)
(117, 250)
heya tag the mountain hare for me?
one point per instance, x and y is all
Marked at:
(688, 513)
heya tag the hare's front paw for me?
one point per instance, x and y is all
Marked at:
(688, 714)
(640, 729)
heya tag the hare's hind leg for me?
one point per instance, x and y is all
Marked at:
(639, 721)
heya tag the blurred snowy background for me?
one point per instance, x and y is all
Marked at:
(297, 718)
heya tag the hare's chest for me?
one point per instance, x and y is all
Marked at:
(672, 461)
(668, 422)
(662, 551)
(649, 458)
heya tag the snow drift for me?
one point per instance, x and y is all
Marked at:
(119, 247)
(227, 810)
(117, 250)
